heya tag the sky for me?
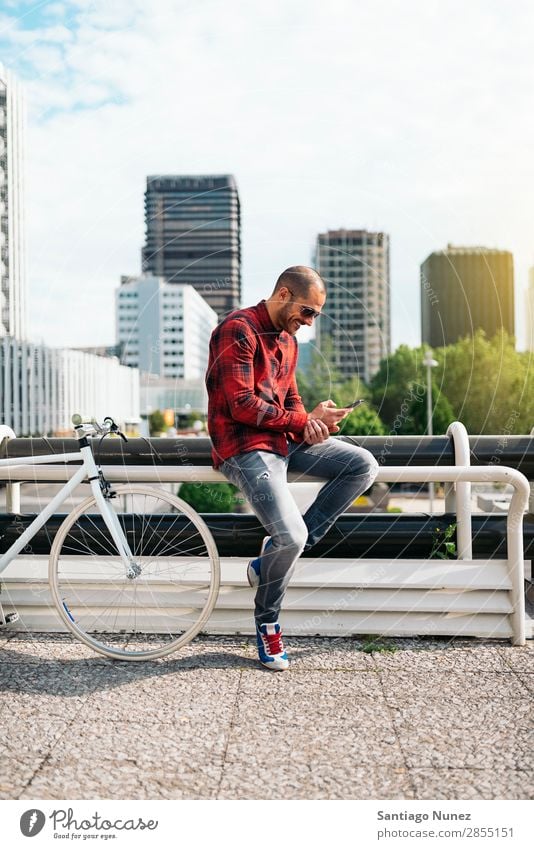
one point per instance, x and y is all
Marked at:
(414, 118)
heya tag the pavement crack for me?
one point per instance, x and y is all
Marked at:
(395, 732)
(230, 730)
(523, 681)
(59, 738)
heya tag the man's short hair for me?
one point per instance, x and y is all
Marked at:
(299, 279)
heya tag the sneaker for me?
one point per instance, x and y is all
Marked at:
(253, 568)
(271, 652)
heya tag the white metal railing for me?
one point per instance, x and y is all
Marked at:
(13, 490)
(461, 495)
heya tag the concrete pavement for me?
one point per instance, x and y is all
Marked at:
(431, 719)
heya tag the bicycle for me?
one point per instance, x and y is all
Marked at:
(134, 571)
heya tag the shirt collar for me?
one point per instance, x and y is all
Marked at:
(265, 319)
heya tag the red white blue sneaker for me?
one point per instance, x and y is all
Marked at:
(271, 652)
(253, 568)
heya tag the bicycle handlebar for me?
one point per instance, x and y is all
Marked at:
(93, 428)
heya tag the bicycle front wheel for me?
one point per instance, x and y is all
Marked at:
(165, 605)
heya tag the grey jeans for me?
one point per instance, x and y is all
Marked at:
(262, 478)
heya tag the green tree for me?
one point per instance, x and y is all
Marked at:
(188, 419)
(323, 380)
(398, 384)
(488, 383)
(363, 421)
(209, 497)
(156, 423)
(350, 390)
(483, 382)
(442, 413)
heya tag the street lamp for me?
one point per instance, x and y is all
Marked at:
(430, 364)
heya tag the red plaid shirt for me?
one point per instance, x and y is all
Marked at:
(254, 403)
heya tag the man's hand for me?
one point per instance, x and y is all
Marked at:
(329, 414)
(315, 431)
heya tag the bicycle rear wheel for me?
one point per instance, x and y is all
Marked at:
(161, 609)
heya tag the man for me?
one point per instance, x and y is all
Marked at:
(260, 431)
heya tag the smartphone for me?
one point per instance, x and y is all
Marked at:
(355, 403)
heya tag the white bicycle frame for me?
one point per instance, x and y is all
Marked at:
(87, 471)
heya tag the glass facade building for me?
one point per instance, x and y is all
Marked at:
(193, 236)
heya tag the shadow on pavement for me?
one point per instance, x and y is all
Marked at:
(21, 672)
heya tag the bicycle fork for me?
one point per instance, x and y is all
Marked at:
(103, 494)
(133, 569)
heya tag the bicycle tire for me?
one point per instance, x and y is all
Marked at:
(155, 613)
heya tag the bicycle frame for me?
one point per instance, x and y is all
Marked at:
(87, 471)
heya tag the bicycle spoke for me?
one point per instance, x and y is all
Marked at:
(160, 609)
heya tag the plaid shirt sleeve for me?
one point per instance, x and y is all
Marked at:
(293, 399)
(294, 402)
(236, 349)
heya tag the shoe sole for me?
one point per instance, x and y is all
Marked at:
(272, 668)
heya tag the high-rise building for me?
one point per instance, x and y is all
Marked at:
(356, 319)
(193, 236)
(463, 289)
(13, 319)
(163, 328)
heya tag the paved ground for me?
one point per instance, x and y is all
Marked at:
(430, 719)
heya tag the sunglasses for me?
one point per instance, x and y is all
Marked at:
(305, 311)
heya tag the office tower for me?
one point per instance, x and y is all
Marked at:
(163, 328)
(356, 322)
(193, 236)
(530, 311)
(12, 251)
(463, 289)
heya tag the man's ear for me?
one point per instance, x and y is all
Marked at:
(284, 293)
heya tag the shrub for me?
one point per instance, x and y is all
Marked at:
(209, 497)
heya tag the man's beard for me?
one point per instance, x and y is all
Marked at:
(290, 323)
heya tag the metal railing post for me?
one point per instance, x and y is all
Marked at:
(462, 457)
(12, 489)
